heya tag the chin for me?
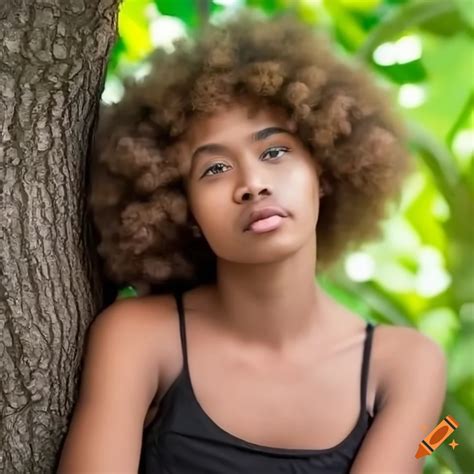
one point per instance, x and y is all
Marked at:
(263, 251)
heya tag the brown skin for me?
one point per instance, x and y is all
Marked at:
(271, 325)
(265, 291)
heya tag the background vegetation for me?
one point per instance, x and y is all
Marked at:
(421, 274)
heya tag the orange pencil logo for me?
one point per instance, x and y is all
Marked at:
(437, 436)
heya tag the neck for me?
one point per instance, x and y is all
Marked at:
(272, 304)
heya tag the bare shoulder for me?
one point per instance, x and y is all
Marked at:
(401, 343)
(141, 310)
(132, 328)
(404, 353)
(145, 321)
(140, 327)
(119, 379)
(410, 400)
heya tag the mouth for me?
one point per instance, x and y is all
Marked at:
(265, 219)
(265, 225)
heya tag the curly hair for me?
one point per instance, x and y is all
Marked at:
(137, 196)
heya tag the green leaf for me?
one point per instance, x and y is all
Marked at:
(216, 8)
(441, 325)
(396, 2)
(361, 5)
(309, 13)
(447, 24)
(118, 51)
(366, 19)
(437, 158)
(186, 10)
(460, 361)
(449, 65)
(270, 6)
(420, 214)
(133, 26)
(127, 292)
(347, 29)
(349, 299)
(411, 72)
(464, 117)
(400, 20)
(382, 305)
(466, 8)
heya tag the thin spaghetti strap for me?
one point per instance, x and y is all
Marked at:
(182, 327)
(365, 363)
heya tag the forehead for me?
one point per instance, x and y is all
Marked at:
(235, 121)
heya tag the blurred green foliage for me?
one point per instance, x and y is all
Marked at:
(421, 274)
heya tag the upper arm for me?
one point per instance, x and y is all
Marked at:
(118, 382)
(410, 407)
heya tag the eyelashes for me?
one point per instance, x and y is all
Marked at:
(277, 149)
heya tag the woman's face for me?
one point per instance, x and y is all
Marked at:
(235, 163)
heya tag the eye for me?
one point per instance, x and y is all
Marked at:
(273, 152)
(213, 167)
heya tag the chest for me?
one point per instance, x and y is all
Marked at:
(297, 403)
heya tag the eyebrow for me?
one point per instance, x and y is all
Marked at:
(255, 137)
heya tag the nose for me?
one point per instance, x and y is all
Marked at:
(252, 187)
(250, 194)
(253, 178)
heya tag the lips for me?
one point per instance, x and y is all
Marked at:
(263, 213)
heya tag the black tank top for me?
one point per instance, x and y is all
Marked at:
(182, 439)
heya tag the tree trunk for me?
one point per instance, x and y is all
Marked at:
(53, 55)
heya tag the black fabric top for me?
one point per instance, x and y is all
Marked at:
(182, 439)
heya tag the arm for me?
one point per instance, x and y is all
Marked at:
(412, 398)
(119, 381)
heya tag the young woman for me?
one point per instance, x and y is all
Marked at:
(249, 159)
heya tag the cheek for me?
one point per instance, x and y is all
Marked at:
(208, 208)
(300, 190)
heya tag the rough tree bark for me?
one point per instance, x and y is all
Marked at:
(53, 55)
